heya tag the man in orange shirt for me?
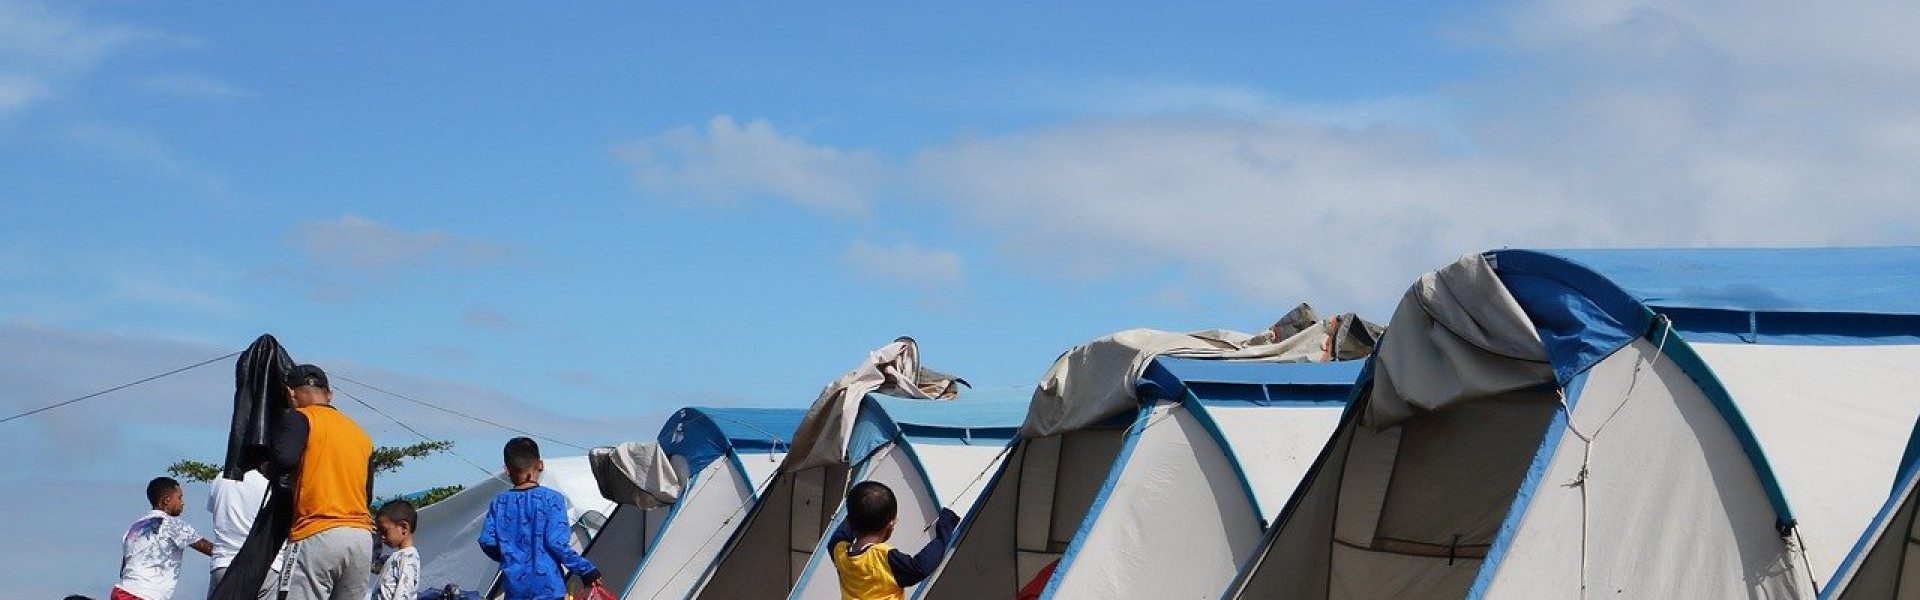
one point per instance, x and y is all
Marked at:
(331, 539)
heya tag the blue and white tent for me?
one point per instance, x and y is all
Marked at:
(930, 452)
(1621, 423)
(1162, 500)
(1883, 564)
(724, 457)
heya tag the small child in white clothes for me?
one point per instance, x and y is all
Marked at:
(398, 578)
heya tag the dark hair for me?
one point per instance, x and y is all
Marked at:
(521, 453)
(401, 511)
(77, 597)
(159, 487)
(870, 507)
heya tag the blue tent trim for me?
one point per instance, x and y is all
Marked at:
(1142, 419)
(1542, 458)
(702, 435)
(1827, 296)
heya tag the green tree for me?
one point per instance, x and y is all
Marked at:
(386, 459)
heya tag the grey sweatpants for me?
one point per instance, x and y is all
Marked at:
(335, 564)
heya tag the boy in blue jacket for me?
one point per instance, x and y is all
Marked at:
(527, 532)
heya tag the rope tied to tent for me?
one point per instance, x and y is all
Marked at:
(1586, 439)
(695, 555)
(992, 465)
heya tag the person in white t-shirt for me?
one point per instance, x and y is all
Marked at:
(398, 577)
(150, 552)
(234, 505)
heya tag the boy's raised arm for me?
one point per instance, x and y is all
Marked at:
(915, 568)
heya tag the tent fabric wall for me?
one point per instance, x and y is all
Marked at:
(1882, 565)
(730, 453)
(1166, 503)
(1753, 403)
(1027, 515)
(1834, 469)
(690, 536)
(450, 528)
(613, 550)
(1175, 518)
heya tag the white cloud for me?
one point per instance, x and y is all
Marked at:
(729, 161)
(905, 264)
(1619, 123)
(193, 85)
(1599, 123)
(1274, 210)
(42, 50)
(357, 243)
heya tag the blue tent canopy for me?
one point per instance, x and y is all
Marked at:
(1256, 382)
(1587, 303)
(702, 435)
(966, 420)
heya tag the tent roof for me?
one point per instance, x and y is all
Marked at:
(1586, 303)
(701, 434)
(966, 412)
(1256, 382)
(965, 420)
(1882, 280)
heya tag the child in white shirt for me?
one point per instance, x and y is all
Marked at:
(150, 552)
(399, 577)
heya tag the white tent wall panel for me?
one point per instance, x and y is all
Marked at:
(1834, 421)
(694, 535)
(622, 542)
(1275, 446)
(1887, 570)
(959, 471)
(447, 537)
(1038, 502)
(1673, 505)
(1177, 521)
(980, 565)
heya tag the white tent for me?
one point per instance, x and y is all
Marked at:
(1883, 564)
(931, 453)
(448, 538)
(727, 456)
(1161, 501)
(1613, 423)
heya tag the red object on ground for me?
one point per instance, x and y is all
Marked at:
(1031, 591)
(598, 592)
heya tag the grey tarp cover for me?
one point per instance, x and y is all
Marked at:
(1457, 335)
(636, 474)
(1081, 389)
(893, 369)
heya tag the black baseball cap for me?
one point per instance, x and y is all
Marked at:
(307, 375)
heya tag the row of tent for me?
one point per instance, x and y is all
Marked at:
(1713, 423)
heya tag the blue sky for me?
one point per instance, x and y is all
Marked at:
(581, 219)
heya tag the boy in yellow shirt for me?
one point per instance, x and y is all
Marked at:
(869, 568)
